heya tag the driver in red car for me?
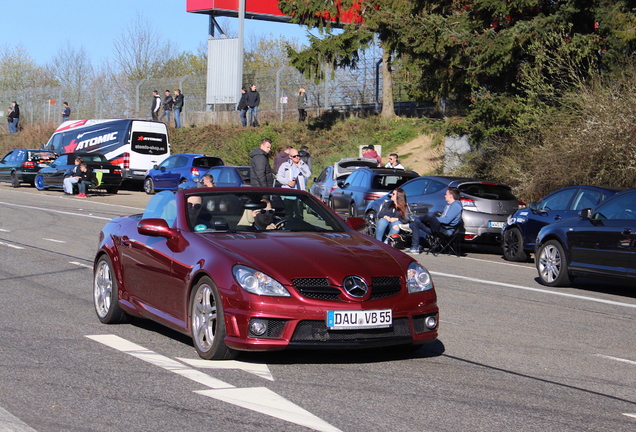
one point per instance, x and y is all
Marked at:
(263, 218)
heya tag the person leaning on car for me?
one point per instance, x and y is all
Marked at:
(86, 178)
(73, 178)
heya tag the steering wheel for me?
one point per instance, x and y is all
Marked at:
(280, 225)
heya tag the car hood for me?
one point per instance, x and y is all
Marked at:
(286, 255)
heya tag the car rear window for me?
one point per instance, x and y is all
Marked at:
(94, 158)
(487, 191)
(41, 156)
(207, 162)
(389, 182)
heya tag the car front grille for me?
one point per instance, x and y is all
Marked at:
(317, 331)
(319, 288)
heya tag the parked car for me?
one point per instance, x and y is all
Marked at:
(486, 205)
(600, 243)
(365, 185)
(53, 176)
(522, 227)
(177, 169)
(21, 165)
(202, 266)
(328, 179)
(224, 176)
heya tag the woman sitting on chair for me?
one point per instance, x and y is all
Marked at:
(392, 213)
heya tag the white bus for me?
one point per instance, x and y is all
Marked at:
(135, 145)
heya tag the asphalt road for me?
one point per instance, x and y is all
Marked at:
(512, 354)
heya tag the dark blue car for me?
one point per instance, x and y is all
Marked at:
(521, 229)
(178, 169)
(597, 244)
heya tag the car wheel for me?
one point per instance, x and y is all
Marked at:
(552, 264)
(112, 190)
(14, 180)
(149, 186)
(370, 219)
(513, 245)
(39, 182)
(106, 294)
(207, 322)
(353, 212)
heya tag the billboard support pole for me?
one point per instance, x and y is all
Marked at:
(241, 41)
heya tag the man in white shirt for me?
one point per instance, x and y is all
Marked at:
(394, 162)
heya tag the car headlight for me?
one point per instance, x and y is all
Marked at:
(256, 282)
(418, 278)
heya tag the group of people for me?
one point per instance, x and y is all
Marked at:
(169, 104)
(82, 175)
(13, 117)
(250, 100)
(394, 216)
(368, 151)
(292, 168)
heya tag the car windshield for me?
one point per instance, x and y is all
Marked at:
(246, 211)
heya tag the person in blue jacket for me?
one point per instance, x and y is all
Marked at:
(446, 222)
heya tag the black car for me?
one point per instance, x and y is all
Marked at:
(21, 165)
(600, 243)
(522, 227)
(486, 204)
(328, 179)
(53, 175)
(364, 186)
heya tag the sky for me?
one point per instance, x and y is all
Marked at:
(43, 27)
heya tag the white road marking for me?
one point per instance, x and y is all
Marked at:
(56, 211)
(265, 401)
(81, 264)
(562, 294)
(257, 369)
(53, 240)
(10, 423)
(11, 245)
(632, 362)
(632, 415)
(498, 262)
(259, 399)
(4, 230)
(158, 360)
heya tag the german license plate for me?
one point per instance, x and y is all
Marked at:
(496, 224)
(139, 172)
(102, 170)
(359, 319)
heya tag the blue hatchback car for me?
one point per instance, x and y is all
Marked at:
(224, 176)
(520, 231)
(178, 169)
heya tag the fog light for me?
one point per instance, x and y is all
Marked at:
(430, 322)
(258, 328)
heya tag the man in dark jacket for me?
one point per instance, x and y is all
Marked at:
(261, 173)
(177, 107)
(167, 107)
(252, 101)
(305, 156)
(242, 107)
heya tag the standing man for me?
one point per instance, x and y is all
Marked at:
(394, 162)
(10, 116)
(66, 112)
(281, 157)
(293, 174)
(301, 101)
(167, 107)
(16, 116)
(371, 153)
(252, 101)
(177, 107)
(260, 171)
(305, 156)
(242, 107)
(156, 104)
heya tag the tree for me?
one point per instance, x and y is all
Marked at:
(18, 71)
(74, 72)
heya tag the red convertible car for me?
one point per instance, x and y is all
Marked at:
(255, 269)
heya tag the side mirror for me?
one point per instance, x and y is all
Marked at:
(155, 227)
(586, 213)
(315, 179)
(340, 183)
(533, 205)
(155, 166)
(356, 223)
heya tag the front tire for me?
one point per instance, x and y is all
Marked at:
(106, 294)
(39, 182)
(513, 246)
(112, 190)
(207, 322)
(149, 186)
(14, 180)
(552, 264)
